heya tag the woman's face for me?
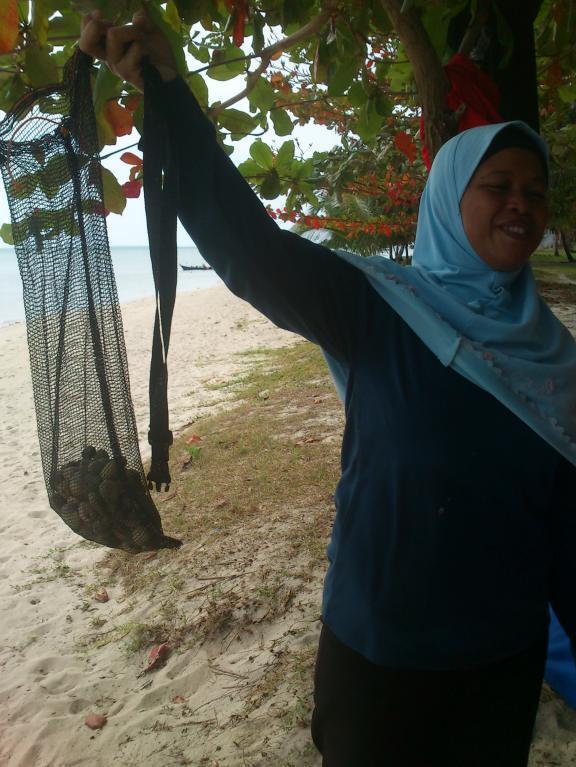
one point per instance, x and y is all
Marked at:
(505, 208)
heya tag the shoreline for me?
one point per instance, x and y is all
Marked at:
(180, 291)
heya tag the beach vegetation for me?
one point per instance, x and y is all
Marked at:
(373, 73)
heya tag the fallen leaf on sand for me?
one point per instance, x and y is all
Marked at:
(95, 721)
(307, 441)
(194, 439)
(101, 595)
(179, 699)
(158, 655)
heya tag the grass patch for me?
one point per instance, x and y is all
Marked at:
(253, 506)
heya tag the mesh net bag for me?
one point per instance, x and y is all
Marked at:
(86, 424)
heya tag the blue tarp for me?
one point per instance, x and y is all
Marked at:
(560, 670)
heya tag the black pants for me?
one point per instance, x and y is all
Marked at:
(369, 716)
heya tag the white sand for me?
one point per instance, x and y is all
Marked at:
(47, 683)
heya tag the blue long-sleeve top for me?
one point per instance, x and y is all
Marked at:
(455, 522)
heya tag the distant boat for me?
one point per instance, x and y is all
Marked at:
(202, 268)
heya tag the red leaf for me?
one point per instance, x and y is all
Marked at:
(8, 25)
(119, 118)
(131, 159)
(132, 102)
(405, 144)
(194, 439)
(95, 721)
(158, 655)
(132, 189)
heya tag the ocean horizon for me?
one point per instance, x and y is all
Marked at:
(132, 270)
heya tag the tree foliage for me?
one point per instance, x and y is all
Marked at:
(369, 69)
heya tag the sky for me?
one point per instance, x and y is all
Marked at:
(129, 229)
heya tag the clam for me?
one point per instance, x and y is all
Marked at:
(88, 453)
(110, 491)
(77, 487)
(69, 513)
(103, 500)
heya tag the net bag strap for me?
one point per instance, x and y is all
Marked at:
(160, 201)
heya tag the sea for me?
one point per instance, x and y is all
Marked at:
(132, 269)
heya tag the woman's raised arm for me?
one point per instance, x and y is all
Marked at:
(299, 285)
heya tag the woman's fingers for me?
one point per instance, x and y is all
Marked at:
(122, 48)
(118, 40)
(129, 67)
(93, 37)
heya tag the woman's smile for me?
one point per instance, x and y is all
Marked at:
(505, 208)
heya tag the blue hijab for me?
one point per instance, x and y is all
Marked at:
(491, 327)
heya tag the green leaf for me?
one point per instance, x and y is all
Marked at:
(198, 86)
(383, 104)
(107, 86)
(173, 16)
(106, 135)
(380, 18)
(6, 233)
(262, 96)
(283, 125)
(341, 78)
(65, 25)
(200, 52)
(39, 66)
(114, 198)
(285, 157)
(357, 96)
(369, 121)
(160, 18)
(258, 35)
(262, 155)
(227, 63)
(250, 169)
(567, 93)
(40, 15)
(56, 173)
(236, 121)
(270, 187)
(10, 91)
(192, 11)
(308, 192)
(400, 76)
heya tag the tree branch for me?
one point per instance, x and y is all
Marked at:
(431, 80)
(266, 55)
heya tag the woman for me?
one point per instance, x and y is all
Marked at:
(454, 527)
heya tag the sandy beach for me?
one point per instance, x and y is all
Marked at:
(186, 714)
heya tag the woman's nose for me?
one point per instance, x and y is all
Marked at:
(518, 200)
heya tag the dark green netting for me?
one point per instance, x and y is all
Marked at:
(86, 425)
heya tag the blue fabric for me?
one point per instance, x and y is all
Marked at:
(491, 327)
(560, 671)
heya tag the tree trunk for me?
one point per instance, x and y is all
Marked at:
(566, 246)
(431, 80)
(518, 80)
(479, 37)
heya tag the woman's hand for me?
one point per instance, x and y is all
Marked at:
(123, 48)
